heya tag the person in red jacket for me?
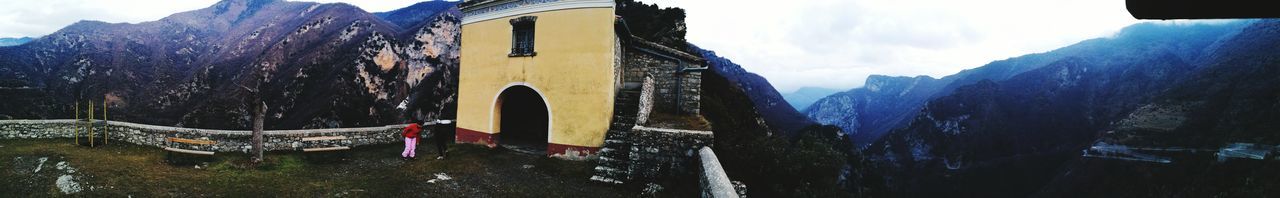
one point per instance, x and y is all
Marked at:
(411, 139)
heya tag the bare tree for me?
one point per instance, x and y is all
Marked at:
(259, 116)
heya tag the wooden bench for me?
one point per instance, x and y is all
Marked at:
(325, 138)
(172, 148)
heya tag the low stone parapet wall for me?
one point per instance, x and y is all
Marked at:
(663, 153)
(715, 183)
(227, 140)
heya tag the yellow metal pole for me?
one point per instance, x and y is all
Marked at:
(75, 124)
(106, 133)
(91, 123)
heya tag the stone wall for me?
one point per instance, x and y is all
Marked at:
(676, 89)
(645, 154)
(715, 183)
(657, 153)
(227, 140)
(664, 81)
(692, 96)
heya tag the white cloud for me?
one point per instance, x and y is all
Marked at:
(838, 43)
(40, 17)
(823, 43)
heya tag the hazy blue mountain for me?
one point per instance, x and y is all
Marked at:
(868, 112)
(867, 115)
(14, 41)
(1230, 98)
(414, 14)
(1010, 137)
(803, 97)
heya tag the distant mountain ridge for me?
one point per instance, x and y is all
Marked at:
(867, 123)
(315, 65)
(14, 41)
(1009, 134)
(777, 112)
(408, 16)
(805, 96)
(883, 102)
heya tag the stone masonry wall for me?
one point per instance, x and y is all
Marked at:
(675, 91)
(227, 140)
(657, 153)
(692, 97)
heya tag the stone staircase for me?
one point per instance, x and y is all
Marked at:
(614, 155)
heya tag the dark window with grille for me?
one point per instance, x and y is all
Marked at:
(522, 36)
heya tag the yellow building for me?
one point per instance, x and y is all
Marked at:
(544, 75)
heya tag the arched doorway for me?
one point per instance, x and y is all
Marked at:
(522, 119)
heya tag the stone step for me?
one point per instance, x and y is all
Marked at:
(605, 169)
(616, 155)
(605, 179)
(606, 149)
(619, 174)
(607, 159)
(615, 165)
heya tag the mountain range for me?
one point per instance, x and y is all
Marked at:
(14, 41)
(1011, 128)
(805, 96)
(779, 115)
(885, 103)
(314, 65)
(1017, 127)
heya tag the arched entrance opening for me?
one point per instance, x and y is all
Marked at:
(522, 120)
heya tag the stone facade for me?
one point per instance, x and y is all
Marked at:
(227, 140)
(677, 76)
(656, 80)
(691, 98)
(645, 154)
(657, 153)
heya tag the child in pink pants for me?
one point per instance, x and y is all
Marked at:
(410, 140)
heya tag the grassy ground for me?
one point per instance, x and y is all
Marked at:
(374, 171)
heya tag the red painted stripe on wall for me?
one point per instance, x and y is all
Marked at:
(475, 137)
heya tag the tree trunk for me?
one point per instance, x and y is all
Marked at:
(259, 114)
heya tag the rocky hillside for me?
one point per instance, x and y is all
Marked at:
(777, 113)
(868, 112)
(1233, 97)
(314, 65)
(868, 115)
(1011, 137)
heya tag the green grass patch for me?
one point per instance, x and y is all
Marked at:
(119, 170)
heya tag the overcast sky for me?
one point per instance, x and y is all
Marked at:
(795, 43)
(838, 43)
